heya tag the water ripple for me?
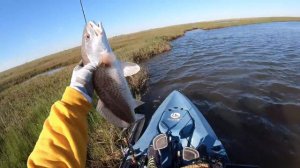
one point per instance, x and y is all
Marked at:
(246, 81)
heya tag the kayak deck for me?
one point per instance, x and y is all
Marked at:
(179, 118)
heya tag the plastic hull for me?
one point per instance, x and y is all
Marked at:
(179, 117)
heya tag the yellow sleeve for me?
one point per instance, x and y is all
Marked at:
(63, 140)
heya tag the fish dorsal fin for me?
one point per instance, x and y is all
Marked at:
(109, 116)
(130, 68)
(138, 103)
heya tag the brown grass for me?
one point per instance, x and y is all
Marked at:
(135, 47)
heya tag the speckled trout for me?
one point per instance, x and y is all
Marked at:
(116, 103)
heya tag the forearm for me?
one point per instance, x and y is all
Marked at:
(63, 140)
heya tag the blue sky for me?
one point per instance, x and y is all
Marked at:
(30, 29)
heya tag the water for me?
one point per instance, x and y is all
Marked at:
(47, 73)
(246, 82)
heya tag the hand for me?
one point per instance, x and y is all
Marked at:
(82, 80)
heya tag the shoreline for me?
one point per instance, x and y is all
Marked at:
(135, 47)
(24, 107)
(140, 88)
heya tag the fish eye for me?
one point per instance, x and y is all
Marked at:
(87, 36)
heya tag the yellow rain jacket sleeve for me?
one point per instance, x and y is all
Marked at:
(63, 140)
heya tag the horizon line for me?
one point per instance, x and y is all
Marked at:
(144, 30)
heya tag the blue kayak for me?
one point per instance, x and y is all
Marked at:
(177, 135)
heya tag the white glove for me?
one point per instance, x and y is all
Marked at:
(82, 80)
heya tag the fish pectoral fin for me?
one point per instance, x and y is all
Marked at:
(138, 103)
(109, 116)
(130, 68)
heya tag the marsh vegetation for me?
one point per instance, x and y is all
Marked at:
(25, 105)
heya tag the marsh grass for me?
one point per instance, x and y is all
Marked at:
(24, 108)
(28, 70)
(25, 105)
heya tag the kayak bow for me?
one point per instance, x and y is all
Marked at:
(178, 135)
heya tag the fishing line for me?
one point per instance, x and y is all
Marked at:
(83, 11)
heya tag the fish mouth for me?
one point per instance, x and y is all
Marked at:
(96, 28)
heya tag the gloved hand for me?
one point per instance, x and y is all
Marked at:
(82, 80)
(93, 49)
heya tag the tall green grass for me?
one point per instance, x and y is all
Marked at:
(25, 105)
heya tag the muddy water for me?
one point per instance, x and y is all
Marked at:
(246, 82)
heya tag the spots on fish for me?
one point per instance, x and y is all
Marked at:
(110, 93)
(109, 82)
(109, 115)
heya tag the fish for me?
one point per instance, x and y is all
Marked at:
(116, 103)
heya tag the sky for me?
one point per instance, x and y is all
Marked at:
(30, 29)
